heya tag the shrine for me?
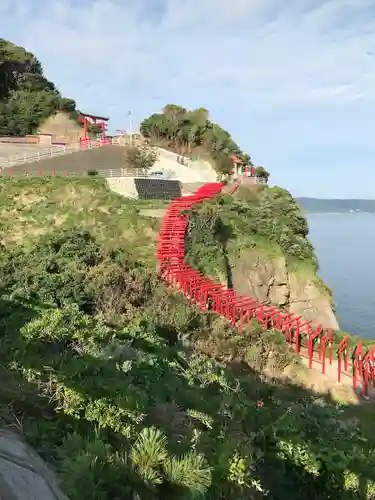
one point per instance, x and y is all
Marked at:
(243, 170)
(100, 121)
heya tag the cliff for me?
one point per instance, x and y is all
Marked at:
(258, 243)
(270, 280)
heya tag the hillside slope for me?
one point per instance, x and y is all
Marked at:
(128, 390)
(78, 162)
(34, 208)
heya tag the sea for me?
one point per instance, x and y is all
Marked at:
(345, 247)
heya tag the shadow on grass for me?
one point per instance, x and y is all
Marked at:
(235, 411)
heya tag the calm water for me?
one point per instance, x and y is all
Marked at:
(345, 246)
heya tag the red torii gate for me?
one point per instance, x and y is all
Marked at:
(102, 121)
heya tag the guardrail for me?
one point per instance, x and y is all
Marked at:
(37, 156)
(139, 173)
(110, 173)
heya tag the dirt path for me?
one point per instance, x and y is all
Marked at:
(343, 392)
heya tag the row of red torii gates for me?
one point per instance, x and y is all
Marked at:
(317, 344)
(238, 309)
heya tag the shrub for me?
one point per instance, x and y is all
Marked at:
(141, 157)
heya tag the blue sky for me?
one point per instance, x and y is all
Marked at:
(293, 81)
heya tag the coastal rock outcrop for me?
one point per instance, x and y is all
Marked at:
(270, 281)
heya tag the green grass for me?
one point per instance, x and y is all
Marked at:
(30, 209)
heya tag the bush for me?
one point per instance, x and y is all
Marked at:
(95, 368)
(141, 157)
(266, 218)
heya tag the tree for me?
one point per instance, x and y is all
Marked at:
(198, 116)
(185, 130)
(141, 157)
(262, 173)
(174, 111)
(27, 98)
(246, 159)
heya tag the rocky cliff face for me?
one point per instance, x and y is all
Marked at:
(269, 280)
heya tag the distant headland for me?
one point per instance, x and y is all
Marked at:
(321, 206)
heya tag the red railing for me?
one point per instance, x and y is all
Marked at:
(312, 342)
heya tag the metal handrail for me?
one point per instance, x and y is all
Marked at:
(136, 173)
(20, 159)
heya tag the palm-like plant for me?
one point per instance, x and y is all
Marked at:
(148, 454)
(190, 472)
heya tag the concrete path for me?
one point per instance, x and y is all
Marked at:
(343, 392)
(153, 212)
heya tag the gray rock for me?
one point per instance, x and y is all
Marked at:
(269, 281)
(23, 474)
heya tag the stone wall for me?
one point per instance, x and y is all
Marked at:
(30, 139)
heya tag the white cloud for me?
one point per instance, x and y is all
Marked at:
(300, 71)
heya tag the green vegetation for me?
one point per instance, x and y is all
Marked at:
(266, 219)
(129, 391)
(30, 208)
(132, 393)
(141, 157)
(27, 98)
(192, 133)
(315, 205)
